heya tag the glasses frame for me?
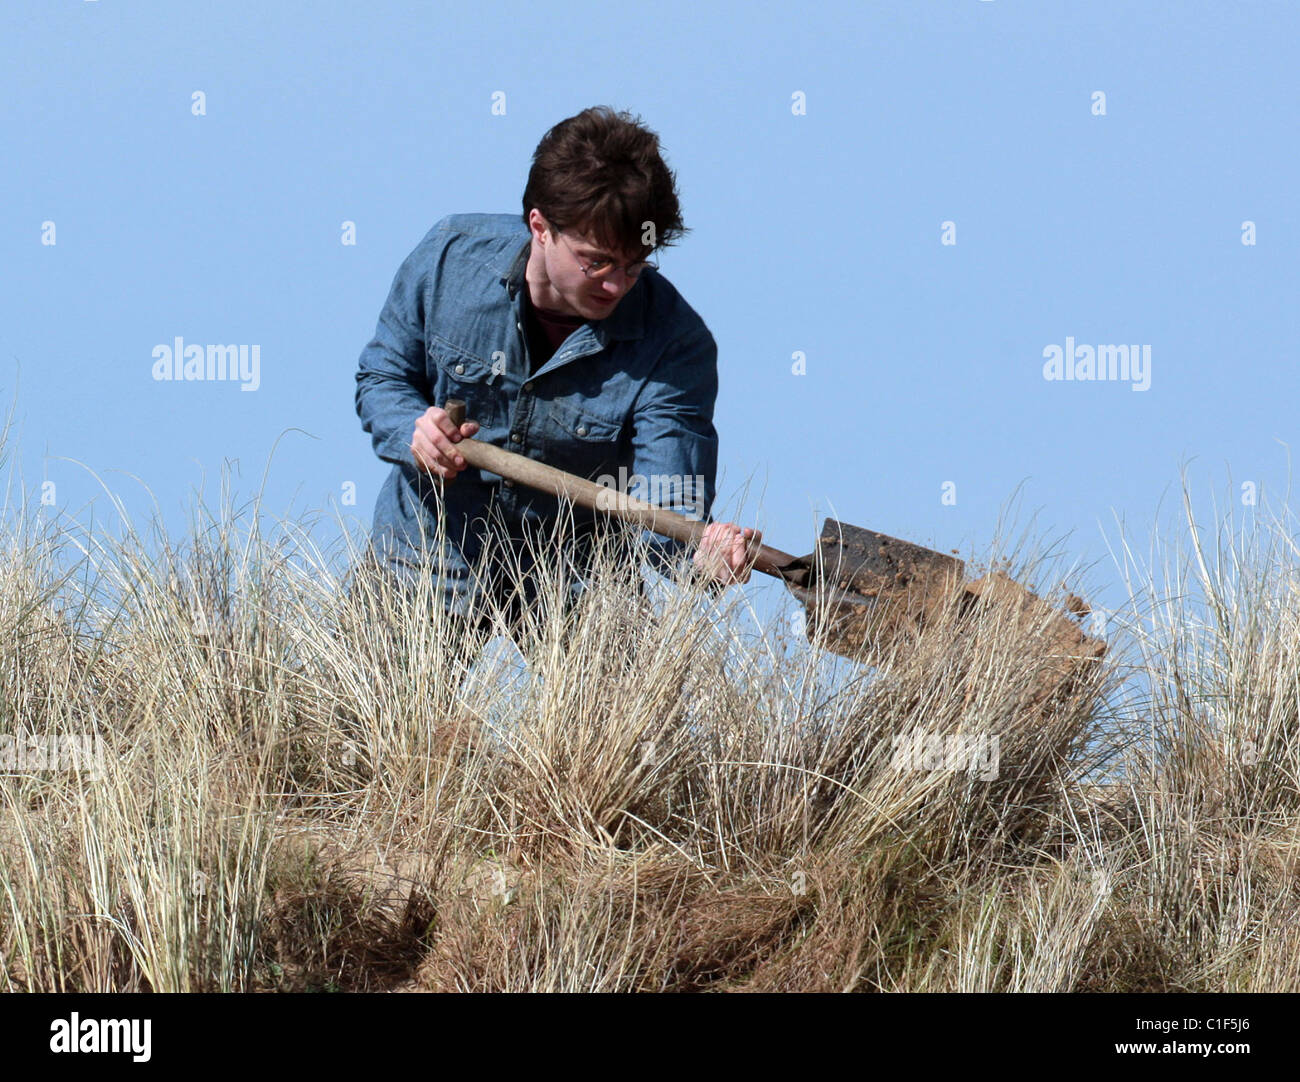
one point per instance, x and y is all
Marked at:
(602, 273)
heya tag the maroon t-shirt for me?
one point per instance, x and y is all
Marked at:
(546, 330)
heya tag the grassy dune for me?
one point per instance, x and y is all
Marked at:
(296, 788)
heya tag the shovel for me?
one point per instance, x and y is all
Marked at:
(860, 589)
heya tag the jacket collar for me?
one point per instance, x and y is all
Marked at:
(627, 321)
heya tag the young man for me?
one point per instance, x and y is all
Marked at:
(568, 347)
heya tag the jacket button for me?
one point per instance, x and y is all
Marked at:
(514, 437)
(582, 430)
(508, 483)
(528, 386)
(460, 370)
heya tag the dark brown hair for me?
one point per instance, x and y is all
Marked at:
(600, 173)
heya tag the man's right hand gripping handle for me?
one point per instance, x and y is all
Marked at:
(434, 443)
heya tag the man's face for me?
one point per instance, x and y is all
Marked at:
(566, 288)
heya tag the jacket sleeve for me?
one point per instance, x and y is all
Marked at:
(392, 381)
(674, 443)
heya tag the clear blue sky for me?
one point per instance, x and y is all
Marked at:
(820, 233)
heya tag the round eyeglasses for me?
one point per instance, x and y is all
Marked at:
(603, 268)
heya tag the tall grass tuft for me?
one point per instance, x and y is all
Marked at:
(305, 780)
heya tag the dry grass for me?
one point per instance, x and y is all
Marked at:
(304, 789)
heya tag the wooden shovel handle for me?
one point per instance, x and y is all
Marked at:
(619, 505)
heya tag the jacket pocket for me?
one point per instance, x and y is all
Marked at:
(584, 425)
(456, 374)
(580, 440)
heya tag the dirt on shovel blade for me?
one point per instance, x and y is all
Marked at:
(889, 612)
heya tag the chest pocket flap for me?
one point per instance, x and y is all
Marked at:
(582, 424)
(455, 374)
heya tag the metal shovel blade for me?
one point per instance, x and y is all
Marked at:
(867, 587)
(874, 564)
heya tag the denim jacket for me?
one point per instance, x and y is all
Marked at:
(626, 400)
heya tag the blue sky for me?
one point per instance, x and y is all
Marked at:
(816, 232)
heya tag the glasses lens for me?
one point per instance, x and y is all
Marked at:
(599, 269)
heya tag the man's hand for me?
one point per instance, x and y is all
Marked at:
(722, 554)
(434, 440)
